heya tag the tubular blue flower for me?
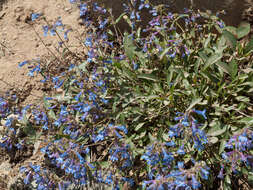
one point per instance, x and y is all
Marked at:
(135, 65)
(66, 34)
(202, 113)
(102, 23)
(45, 30)
(8, 122)
(221, 24)
(195, 184)
(35, 69)
(180, 165)
(88, 42)
(35, 16)
(22, 64)
(122, 128)
(173, 55)
(153, 12)
(181, 150)
(167, 158)
(221, 174)
(204, 173)
(53, 32)
(199, 138)
(22, 169)
(109, 179)
(27, 178)
(83, 9)
(58, 22)
(171, 143)
(97, 8)
(36, 168)
(81, 159)
(77, 97)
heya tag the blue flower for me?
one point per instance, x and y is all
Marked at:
(83, 9)
(8, 122)
(181, 150)
(171, 143)
(35, 16)
(66, 34)
(58, 23)
(36, 168)
(204, 173)
(202, 113)
(128, 180)
(221, 175)
(102, 23)
(82, 161)
(45, 30)
(53, 32)
(221, 24)
(167, 158)
(35, 69)
(27, 178)
(195, 183)
(108, 179)
(180, 165)
(22, 64)
(122, 128)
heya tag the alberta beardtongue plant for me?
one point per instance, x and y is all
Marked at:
(165, 107)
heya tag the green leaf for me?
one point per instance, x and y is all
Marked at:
(243, 30)
(164, 53)
(242, 99)
(224, 67)
(166, 136)
(230, 38)
(194, 102)
(232, 30)
(233, 68)
(46, 102)
(52, 115)
(247, 120)
(227, 179)
(216, 131)
(139, 126)
(222, 146)
(120, 17)
(212, 59)
(143, 134)
(213, 140)
(129, 46)
(151, 137)
(148, 77)
(83, 66)
(249, 47)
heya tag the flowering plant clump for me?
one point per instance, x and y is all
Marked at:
(167, 106)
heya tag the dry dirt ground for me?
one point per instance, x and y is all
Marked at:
(19, 42)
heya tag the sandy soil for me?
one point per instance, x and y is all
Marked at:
(19, 42)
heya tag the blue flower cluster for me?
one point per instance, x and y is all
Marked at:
(166, 172)
(237, 150)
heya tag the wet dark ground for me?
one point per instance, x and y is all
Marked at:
(233, 8)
